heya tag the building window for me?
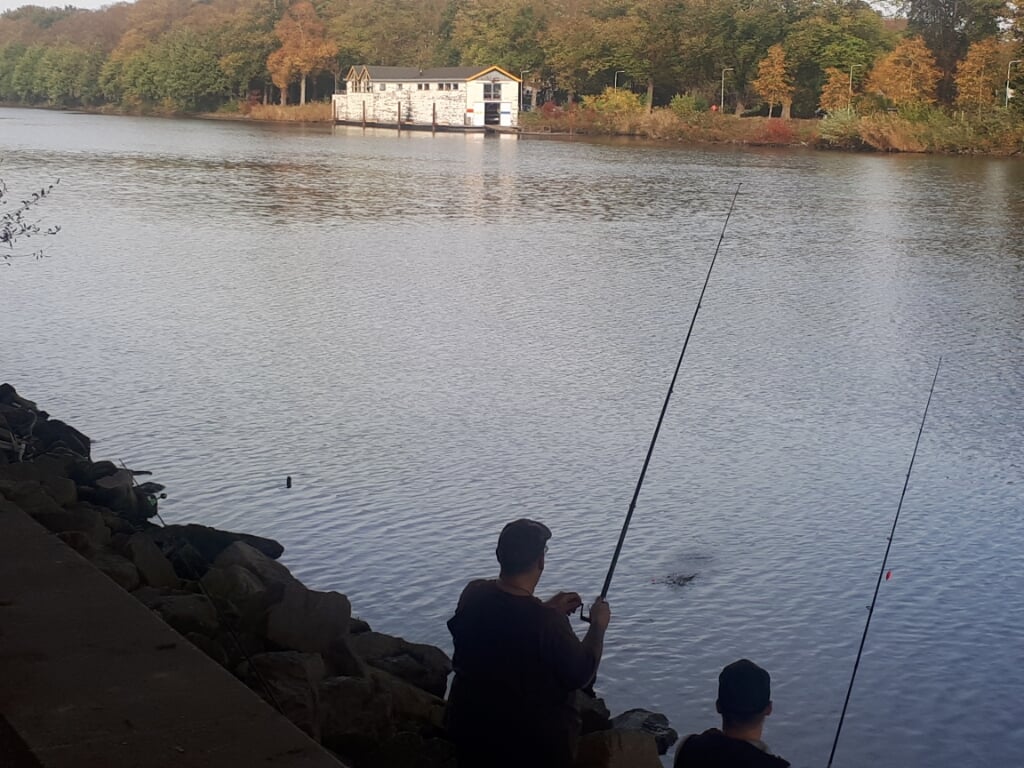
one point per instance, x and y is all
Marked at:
(492, 91)
(455, 86)
(382, 87)
(398, 87)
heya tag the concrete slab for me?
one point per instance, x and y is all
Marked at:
(90, 678)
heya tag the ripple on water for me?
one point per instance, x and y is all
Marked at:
(433, 335)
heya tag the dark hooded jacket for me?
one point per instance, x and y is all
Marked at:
(517, 664)
(713, 749)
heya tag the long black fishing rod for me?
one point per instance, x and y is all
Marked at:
(664, 406)
(881, 571)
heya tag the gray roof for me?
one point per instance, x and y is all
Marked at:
(414, 74)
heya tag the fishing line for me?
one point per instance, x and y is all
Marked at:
(881, 571)
(664, 406)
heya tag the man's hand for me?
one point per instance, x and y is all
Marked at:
(600, 614)
(565, 602)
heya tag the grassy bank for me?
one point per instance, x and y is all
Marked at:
(312, 112)
(913, 129)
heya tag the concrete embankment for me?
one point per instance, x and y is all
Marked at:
(124, 643)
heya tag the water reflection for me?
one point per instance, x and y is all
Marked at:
(433, 334)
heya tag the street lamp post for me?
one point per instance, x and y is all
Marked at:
(615, 80)
(522, 74)
(850, 102)
(1006, 101)
(721, 98)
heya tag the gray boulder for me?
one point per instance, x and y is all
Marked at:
(188, 613)
(156, 570)
(421, 665)
(307, 620)
(268, 571)
(653, 723)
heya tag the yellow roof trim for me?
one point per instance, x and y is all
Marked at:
(494, 68)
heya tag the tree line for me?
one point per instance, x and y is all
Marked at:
(802, 55)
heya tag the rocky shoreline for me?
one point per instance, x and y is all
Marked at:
(372, 699)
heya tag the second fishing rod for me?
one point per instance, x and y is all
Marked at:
(664, 407)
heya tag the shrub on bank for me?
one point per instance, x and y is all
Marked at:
(312, 112)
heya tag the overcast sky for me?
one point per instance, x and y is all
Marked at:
(6, 5)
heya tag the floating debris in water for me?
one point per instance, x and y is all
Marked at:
(675, 579)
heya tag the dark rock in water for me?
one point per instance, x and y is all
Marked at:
(677, 579)
(593, 712)
(289, 681)
(357, 626)
(653, 723)
(211, 542)
(10, 396)
(617, 749)
(421, 665)
(56, 435)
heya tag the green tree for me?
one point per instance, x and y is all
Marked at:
(773, 82)
(948, 27)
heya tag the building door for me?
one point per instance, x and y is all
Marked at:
(506, 114)
(492, 113)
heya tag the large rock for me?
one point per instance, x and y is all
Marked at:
(361, 714)
(211, 542)
(653, 723)
(618, 749)
(307, 620)
(268, 570)
(56, 435)
(51, 472)
(119, 569)
(357, 716)
(594, 715)
(29, 495)
(290, 682)
(85, 519)
(413, 709)
(189, 613)
(421, 665)
(156, 570)
(236, 585)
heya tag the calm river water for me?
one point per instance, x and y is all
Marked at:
(435, 335)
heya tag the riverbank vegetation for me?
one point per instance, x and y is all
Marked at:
(941, 77)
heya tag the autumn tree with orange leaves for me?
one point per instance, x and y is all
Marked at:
(773, 80)
(907, 75)
(305, 49)
(836, 93)
(979, 77)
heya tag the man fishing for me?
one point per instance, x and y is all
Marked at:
(744, 701)
(518, 662)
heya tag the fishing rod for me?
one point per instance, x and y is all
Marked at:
(664, 408)
(881, 571)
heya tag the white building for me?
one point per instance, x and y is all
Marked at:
(443, 98)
